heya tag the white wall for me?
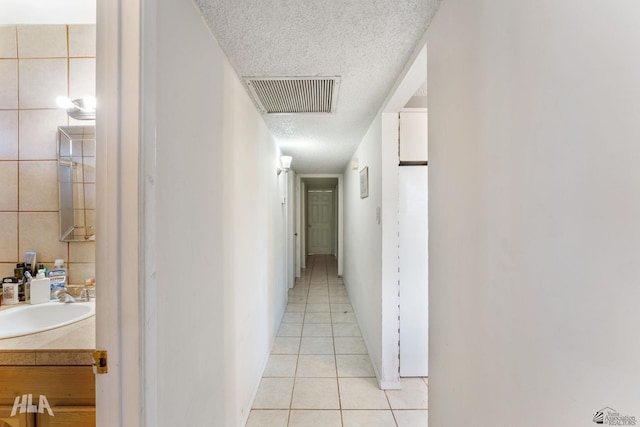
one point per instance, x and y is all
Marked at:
(389, 376)
(534, 200)
(192, 307)
(371, 246)
(254, 245)
(219, 286)
(363, 243)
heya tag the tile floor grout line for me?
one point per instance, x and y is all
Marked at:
(311, 281)
(295, 374)
(386, 395)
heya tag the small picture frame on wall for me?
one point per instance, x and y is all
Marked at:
(364, 182)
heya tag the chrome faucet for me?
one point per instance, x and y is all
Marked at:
(64, 296)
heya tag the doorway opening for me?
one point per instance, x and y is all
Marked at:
(405, 228)
(318, 218)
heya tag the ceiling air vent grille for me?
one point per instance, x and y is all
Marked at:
(289, 95)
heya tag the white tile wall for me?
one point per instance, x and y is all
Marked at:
(82, 252)
(39, 232)
(82, 80)
(42, 41)
(81, 271)
(9, 187)
(34, 71)
(38, 186)
(9, 233)
(9, 86)
(41, 82)
(82, 40)
(9, 134)
(8, 46)
(38, 133)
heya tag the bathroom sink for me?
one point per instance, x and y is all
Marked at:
(29, 319)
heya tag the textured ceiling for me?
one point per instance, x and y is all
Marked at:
(365, 42)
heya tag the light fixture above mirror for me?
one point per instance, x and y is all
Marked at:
(80, 108)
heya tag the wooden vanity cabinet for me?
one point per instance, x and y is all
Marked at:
(68, 416)
(69, 390)
(19, 420)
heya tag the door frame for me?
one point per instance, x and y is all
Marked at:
(119, 393)
(301, 221)
(406, 86)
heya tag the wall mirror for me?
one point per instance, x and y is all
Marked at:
(77, 182)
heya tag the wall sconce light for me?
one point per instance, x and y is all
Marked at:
(286, 164)
(79, 109)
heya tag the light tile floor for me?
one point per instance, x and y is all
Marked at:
(319, 372)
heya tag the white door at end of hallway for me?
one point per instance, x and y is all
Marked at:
(320, 222)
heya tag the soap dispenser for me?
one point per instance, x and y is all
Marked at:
(40, 289)
(58, 277)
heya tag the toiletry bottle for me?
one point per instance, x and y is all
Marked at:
(26, 280)
(19, 270)
(10, 290)
(23, 286)
(40, 289)
(30, 262)
(58, 276)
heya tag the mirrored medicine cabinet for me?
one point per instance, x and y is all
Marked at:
(77, 182)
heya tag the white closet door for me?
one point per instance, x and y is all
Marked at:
(413, 246)
(414, 272)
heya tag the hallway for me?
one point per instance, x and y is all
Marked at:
(319, 373)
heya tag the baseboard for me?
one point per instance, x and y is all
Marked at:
(264, 366)
(389, 385)
(245, 419)
(384, 385)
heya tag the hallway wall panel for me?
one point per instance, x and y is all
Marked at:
(255, 280)
(189, 294)
(220, 281)
(534, 200)
(363, 243)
